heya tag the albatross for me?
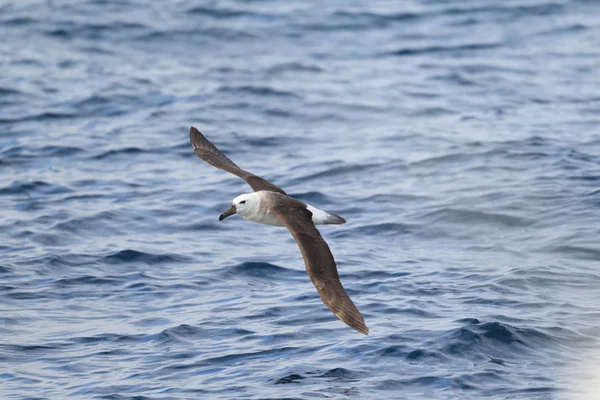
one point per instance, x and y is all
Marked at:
(270, 205)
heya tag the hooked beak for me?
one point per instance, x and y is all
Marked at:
(228, 213)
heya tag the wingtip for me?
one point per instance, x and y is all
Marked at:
(362, 329)
(196, 137)
(358, 326)
(193, 131)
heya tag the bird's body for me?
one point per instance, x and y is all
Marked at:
(258, 209)
(270, 205)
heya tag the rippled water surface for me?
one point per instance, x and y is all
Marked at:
(460, 139)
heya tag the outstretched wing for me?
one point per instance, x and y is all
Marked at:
(320, 264)
(209, 153)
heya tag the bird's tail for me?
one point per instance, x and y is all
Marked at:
(334, 219)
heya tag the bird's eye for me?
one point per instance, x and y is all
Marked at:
(243, 202)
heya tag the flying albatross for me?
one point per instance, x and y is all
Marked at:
(270, 205)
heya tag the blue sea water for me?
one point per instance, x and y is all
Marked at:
(460, 139)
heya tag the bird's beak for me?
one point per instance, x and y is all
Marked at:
(228, 213)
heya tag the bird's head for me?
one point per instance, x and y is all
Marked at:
(245, 205)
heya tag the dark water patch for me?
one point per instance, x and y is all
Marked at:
(95, 31)
(353, 21)
(456, 50)
(396, 351)
(294, 67)
(219, 13)
(101, 183)
(180, 333)
(101, 105)
(433, 381)
(260, 270)
(342, 374)
(96, 49)
(425, 355)
(59, 151)
(19, 21)
(312, 197)
(580, 158)
(38, 295)
(200, 226)
(110, 338)
(291, 378)
(127, 151)
(134, 256)
(198, 34)
(257, 91)
(83, 197)
(59, 33)
(281, 113)
(87, 280)
(468, 321)
(147, 287)
(376, 18)
(578, 252)
(20, 352)
(567, 29)
(441, 111)
(490, 302)
(33, 188)
(267, 141)
(8, 92)
(477, 380)
(59, 260)
(43, 116)
(453, 78)
(188, 333)
(533, 147)
(495, 339)
(508, 11)
(589, 178)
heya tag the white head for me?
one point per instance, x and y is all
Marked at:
(245, 205)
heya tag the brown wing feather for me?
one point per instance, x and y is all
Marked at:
(209, 153)
(320, 264)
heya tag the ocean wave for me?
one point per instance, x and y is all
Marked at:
(261, 270)
(136, 256)
(459, 140)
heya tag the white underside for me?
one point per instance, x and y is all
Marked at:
(319, 217)
(267, 219)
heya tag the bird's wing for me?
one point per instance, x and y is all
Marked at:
(209, 153)
(320, 264)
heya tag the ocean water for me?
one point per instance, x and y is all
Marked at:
(460, 139)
